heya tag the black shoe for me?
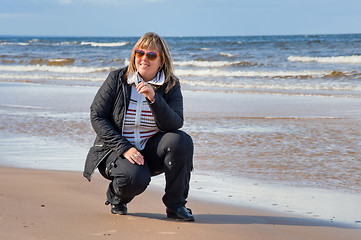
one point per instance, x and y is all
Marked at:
(119, 209)
(182, 214)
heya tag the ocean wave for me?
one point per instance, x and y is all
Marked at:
(15, 43)
(52, 62)
(64, 66)
(69, 43)
(271, 74)
(46, 68)
(354, 59)
(270, 86)
(230, 55)
(196, 63)
(40, 61)
(111, 44)
(21, 106)
(51, 77)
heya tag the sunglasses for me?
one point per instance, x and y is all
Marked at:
(150, 55)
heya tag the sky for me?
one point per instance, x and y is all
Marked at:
(121, 18)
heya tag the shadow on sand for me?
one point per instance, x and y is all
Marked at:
(248, 219)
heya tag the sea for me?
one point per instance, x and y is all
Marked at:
(276, 120)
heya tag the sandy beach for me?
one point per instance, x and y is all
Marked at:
(308, 145)
(45, 204)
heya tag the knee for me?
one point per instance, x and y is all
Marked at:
(131, 186)
(180, 142)
(140, 182)
(179, 151)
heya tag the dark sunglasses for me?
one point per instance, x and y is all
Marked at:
(150, 55)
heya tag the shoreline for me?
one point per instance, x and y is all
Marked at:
(308, 202)
(59, 128)
(46, 204)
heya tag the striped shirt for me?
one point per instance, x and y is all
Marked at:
(139, 123)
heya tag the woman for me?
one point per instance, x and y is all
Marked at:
(137, 114)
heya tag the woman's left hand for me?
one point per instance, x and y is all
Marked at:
(147, 91)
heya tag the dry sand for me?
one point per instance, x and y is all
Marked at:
(44, 204)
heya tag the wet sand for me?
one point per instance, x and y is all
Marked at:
(44, 204)
(301, 142)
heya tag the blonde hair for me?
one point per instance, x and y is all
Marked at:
(153, 40)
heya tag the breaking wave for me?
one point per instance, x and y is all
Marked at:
(271, 74)
(99, 44)
(205, 64)
(354, 59)
(46, 68)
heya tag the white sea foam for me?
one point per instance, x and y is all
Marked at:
(354, 59)
(226, 54)
(18, 43)
(211, 64)
(69, 43)
(56, 77)
(225, 73)
(202, 63)
(45, 68)
(20, 106)
(271, 86)
(98, 44)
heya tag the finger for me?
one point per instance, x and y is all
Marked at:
(140, 85)
(131, 161)
(138, 158)
(144, 89)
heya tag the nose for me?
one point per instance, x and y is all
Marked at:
(144, 57)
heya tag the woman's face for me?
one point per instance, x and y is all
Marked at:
(147, 68)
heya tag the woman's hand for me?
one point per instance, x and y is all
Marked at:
(134, 156)
(147, 91)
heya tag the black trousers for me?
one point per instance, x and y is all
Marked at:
(171, 153)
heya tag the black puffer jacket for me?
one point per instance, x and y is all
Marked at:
(109, 108)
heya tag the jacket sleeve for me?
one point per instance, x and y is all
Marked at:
(101, 115)
(168, 111)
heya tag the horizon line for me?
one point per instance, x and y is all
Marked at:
(180, 36)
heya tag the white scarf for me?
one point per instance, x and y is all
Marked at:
(136, 78)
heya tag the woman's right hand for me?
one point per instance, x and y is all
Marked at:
(134, 156)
